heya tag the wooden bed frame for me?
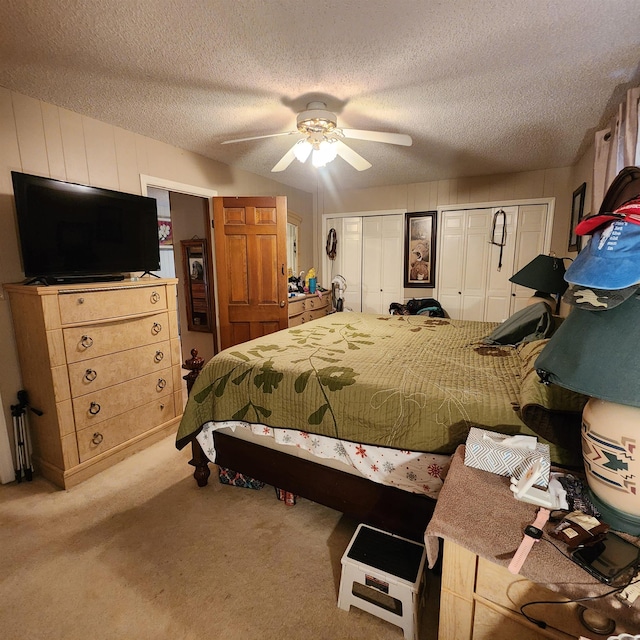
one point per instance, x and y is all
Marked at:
(401, 512)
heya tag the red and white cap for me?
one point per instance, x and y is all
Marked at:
(628, 212)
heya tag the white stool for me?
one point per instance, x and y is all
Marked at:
(382, 574)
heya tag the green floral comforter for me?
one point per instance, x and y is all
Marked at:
(409, 382)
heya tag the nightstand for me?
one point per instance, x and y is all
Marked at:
(481, 524)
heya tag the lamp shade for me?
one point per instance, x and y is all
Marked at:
(544, 273)
(596, 353)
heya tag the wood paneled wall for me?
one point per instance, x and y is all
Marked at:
(44, 139)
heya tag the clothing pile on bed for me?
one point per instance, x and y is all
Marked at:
(422, 307)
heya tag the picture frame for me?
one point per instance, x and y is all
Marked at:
(165, 233)
(577, 211)
(420, 249)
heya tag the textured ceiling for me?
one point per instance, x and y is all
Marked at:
(482, 86)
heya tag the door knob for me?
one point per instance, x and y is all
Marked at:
(281, 304)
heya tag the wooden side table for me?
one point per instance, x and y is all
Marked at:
(481, 524)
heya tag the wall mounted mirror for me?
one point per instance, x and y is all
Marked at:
(293, 225)
(197, 282)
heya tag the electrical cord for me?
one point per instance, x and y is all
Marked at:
(541, 623)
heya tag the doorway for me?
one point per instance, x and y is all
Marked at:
(187, 212)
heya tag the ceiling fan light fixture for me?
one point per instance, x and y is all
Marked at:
(323, 153)
(301, 150)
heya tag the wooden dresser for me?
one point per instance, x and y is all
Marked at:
(103, 364)
(308, 307)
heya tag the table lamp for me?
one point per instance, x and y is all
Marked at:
(544, 274)
(595, 352)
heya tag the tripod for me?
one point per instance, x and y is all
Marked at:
(24, 467)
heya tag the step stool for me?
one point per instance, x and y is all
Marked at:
(382, 574)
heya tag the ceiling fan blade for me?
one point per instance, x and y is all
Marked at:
(270, 135)
(353, 158)
(285, 161)
(379, 136)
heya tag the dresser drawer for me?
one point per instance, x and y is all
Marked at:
(110, 433)
(297, 306)
(89, 306)
(318, 313)
(93, 408)
(85, 342)
(94, 374)
(316, 303)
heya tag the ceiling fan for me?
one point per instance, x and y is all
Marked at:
(323, 140)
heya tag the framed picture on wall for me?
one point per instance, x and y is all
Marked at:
(577, 211)
(420, 249)
(165, 233)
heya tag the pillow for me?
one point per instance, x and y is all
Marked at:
(534, 322)
(549, 410)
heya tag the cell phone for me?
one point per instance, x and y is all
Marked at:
(608, 559)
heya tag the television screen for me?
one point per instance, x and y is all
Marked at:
(70, 231)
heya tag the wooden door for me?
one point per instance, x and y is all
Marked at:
(251, 257)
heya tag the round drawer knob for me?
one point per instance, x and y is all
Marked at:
(156, 328)
(86, 341)
(90, 375)
(97, 438)
(80, 300)
(94, 408)
(155, 297)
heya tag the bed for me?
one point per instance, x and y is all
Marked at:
(398, 394)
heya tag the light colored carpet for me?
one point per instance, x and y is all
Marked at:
(140, 551)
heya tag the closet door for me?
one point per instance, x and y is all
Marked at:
(348, 261)
(451, 261)
(381, 262)
(474, 273)
(464, 256)
(530, 237)
(476, 260)
(498, 294)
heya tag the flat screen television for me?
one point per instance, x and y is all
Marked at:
(71, 232)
